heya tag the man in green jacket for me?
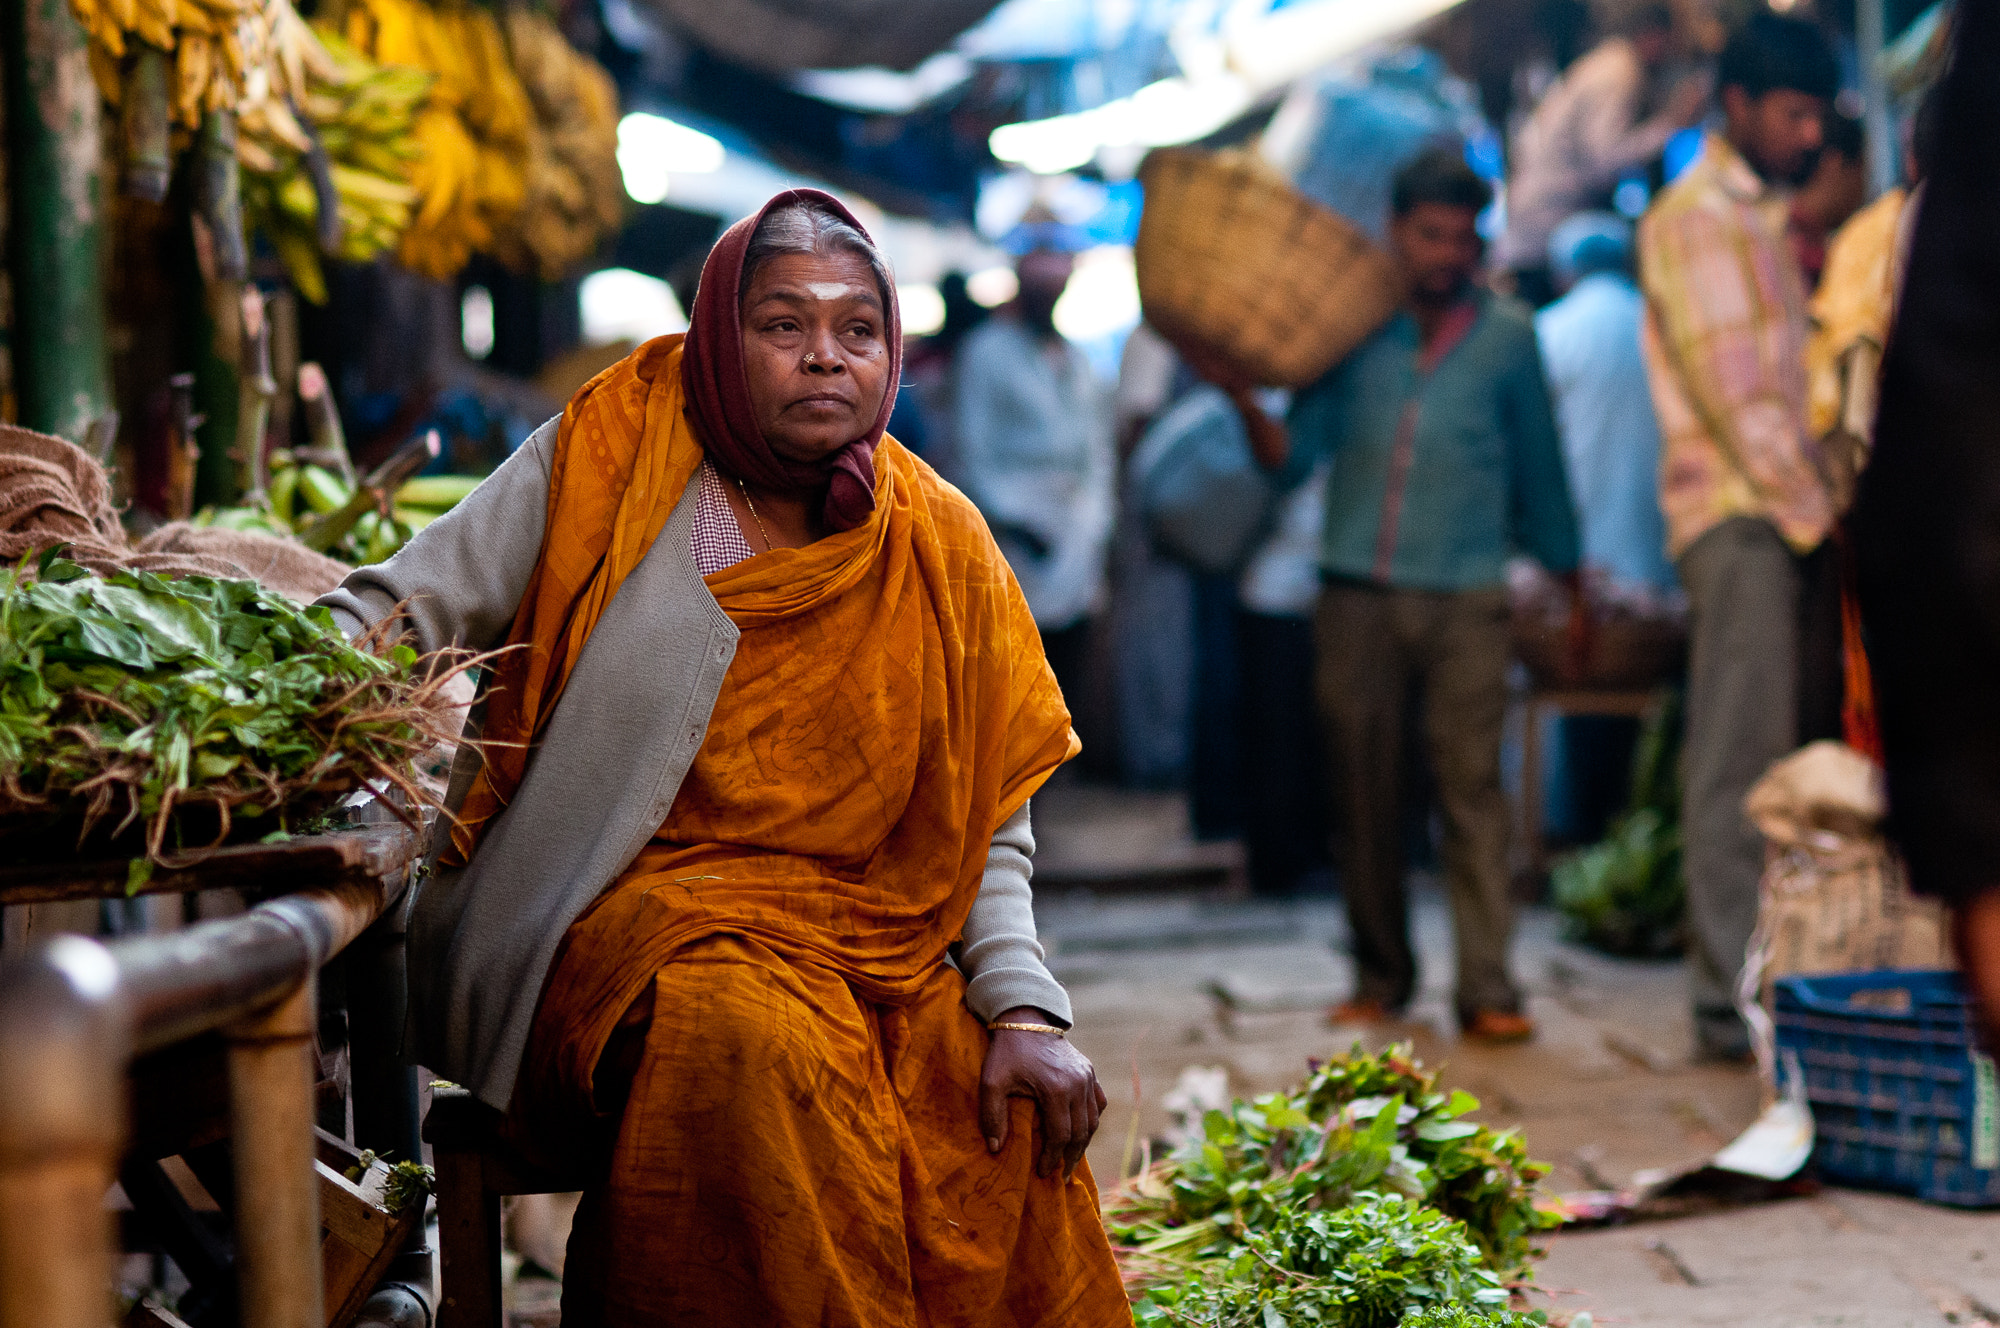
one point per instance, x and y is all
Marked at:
(1444, 462)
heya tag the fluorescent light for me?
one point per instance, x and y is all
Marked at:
(992, 287)
(923, 309)
(652, 149)
(1102, 297)
(1296, 39)
(619, 304)
(1172, 110)
(886, 91)
(475, 322)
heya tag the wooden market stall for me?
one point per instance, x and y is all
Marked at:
(211, 1043)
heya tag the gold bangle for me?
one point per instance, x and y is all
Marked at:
(1026, 1028)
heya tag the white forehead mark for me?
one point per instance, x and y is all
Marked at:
(833, 290)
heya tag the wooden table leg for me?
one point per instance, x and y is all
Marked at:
(468, 1241)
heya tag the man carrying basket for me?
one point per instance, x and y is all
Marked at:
(1444, 460)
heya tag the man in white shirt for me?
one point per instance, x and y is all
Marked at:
(1611, 442)
(1587, 132)
(1035, 454)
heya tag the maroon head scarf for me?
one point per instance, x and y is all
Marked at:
(718, 387)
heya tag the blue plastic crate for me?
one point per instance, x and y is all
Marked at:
(1901, 1097)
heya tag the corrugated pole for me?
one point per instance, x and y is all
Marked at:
(277, 1195)
(1870, 35)
(56, 215)
(222, 257)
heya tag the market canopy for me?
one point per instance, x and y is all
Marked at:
(823, 34)
(1067, 83)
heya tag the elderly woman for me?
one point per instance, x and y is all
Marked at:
(757, 769)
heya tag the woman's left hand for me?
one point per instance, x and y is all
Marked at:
(1056, 1075)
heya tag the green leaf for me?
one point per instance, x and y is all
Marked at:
(107, 638)
(211, 766)
(55, 568)
(137, 873)
(1442, 1131)
(1283, 1115)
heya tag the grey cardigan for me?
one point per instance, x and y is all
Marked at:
(481, 938)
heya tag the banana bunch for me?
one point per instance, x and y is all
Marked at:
(361, 113)
(215, 44)
(301, 492)
(472, 134)
(575, 195)
(286, 59)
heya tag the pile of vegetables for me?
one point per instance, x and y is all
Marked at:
(314, 494)
(144, 698)
(1358, 1199)
(1626, 895)
(1381, 1262)
(332, 513)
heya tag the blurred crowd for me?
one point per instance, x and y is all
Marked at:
(1640, 355)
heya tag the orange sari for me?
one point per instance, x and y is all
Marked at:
(800, 1143)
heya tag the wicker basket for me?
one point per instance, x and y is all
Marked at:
(1250, 279)
(1625, 653)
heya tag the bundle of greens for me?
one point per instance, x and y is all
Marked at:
(1361, 1124)
(1383, 1262)
(151, 697)
(1625, 895)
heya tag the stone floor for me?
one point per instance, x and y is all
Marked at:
(1167, 981)
(1196, 975)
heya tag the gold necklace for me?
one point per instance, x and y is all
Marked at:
(753, 515)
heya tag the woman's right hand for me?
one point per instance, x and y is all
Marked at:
(1045, 1067)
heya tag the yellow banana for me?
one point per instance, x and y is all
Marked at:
(154, 24)
(193, 63)
(118, 17)
(105, 72)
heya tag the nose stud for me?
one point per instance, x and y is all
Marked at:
(812, 356)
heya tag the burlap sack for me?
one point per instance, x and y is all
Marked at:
(54, 493)
(1834, 897)
(273, 562)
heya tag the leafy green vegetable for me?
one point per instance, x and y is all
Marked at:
(409, 1182)
(1361, 1123)
(1374, 1264)
(406, 1183)
(1626, 895)
(1460, 1316)
(146, 696)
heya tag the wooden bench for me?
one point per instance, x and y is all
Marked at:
(475, 1170)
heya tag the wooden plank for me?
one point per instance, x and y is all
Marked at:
(468, 1245)
(361, 1237)
(344, 1273)
(345, 1211)
(304, 863)
(334, 1151)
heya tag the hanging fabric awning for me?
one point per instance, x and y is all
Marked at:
(823, 34)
